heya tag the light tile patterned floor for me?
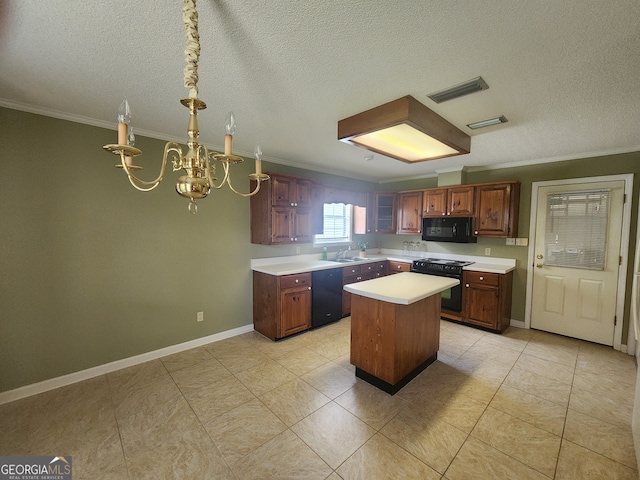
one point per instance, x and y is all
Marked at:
(522, 405)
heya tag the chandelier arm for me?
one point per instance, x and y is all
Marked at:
(225, 179)
(250, 194)
(146, 185)
(192, 49)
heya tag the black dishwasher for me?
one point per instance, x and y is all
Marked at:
(326, 298)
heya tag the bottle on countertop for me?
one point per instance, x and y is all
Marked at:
(324, 253)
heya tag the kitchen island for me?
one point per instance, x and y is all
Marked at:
(395, 327)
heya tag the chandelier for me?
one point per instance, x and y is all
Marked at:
(198, 163)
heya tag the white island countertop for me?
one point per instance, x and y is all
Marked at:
(402, 288)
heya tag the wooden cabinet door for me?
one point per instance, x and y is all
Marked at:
(397, 267)
(303, 193)
(385, 212)
(295, 310)
(497, 210)
(410, 213)
(434, 202)
(281, 225)
(282, 190)
(460, 201)
(481, 305)
(302, 225)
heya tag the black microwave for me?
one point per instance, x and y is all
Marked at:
(448, 229)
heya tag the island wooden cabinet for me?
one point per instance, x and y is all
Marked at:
(497, 207)
(281, 212)
(410, 212)
(281, 304)
(454, 201)
(487, 300)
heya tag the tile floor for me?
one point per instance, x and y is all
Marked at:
(522, 405)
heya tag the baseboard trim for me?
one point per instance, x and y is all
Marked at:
(57, 382)
(517, 323)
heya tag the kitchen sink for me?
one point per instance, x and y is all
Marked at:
(349, 259)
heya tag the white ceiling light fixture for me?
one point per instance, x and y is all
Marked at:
(406, 130)
(471, 86)
(198, 163)
(488, 122)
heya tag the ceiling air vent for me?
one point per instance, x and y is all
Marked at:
(474, 85)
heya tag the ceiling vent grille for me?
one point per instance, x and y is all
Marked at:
(471, 86)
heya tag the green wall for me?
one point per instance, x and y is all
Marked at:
(95, 271)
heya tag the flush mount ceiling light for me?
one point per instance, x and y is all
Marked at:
(471, 86)
(488, 122)
(406, 130)
(198, 162)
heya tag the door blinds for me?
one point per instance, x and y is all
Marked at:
(576, 230)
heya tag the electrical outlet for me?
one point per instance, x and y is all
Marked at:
(297, 249)
(487, 251)
(511, 241)
(200, 317)
(523, 242)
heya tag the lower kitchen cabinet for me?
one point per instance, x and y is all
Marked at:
(397, 267)
(281, 304)
(354, 274)
(487, 300)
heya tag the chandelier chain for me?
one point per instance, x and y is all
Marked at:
(192, 50)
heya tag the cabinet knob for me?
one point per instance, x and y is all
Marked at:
(292, 239)
(476, 232)
(481, 278)
(467, 285)
(297, 281)
(443, 213)
(309, 288)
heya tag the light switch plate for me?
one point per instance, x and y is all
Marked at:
(511, 241)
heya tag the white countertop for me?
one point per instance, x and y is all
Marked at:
(310, 262)
(402, 288)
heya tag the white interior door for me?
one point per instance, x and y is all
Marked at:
(577, 252)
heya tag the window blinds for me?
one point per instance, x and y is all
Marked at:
(576, 230)
(337, 223)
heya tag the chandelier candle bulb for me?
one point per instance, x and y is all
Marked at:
(258, 155)
(124, 118)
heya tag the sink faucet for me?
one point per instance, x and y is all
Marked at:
(343, 253)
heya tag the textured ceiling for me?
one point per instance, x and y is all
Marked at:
(565, 73)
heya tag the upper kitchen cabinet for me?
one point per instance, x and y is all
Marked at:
(410, 212)
(290, 191)
(384, 212)
(497, 206)
(454, 201)
(281, 212)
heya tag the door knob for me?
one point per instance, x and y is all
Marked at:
(539, 256)
(539, 265)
